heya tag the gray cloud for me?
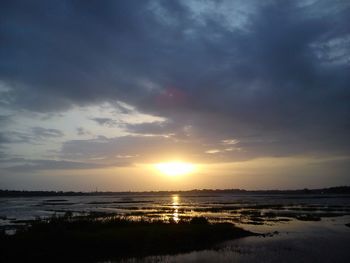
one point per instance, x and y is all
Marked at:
(15, 137)
(138, 148)
(82, 131)
(105, 122)
(40, 132)
(153, 128)
(36, 135)
(4, 119)
(275, 82)
(37, 165)
(4, 138)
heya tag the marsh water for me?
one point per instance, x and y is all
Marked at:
(297, 228)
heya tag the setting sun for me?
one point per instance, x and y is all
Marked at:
(175, 168)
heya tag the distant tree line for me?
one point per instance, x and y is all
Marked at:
(331, 190)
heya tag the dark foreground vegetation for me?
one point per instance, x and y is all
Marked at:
(92, 238)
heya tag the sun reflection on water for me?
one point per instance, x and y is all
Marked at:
(175, 206)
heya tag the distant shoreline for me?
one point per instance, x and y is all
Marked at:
(338, 190)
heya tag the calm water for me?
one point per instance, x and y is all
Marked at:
(309, 228)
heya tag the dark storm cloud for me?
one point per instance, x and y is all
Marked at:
(274, 83)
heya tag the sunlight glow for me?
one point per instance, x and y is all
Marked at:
(175, 206)
(175, 168)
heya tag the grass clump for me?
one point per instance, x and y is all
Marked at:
(94, 238)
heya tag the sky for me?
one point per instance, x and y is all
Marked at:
(255, 94)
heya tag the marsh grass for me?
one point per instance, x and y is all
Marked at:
(99, 237)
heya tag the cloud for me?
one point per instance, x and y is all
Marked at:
(105, 121)
(40, 133)
(34, 135)
(37, 165)
(153, 128)
(273, 77)
(81, 131)
(4, 138)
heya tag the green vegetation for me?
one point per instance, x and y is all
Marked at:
(95, 238)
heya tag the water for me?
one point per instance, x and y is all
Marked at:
(301, 228)
(324, 246)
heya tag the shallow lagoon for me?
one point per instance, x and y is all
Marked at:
(309, 243)
(299, 228)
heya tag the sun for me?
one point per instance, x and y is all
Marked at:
(175, 168)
